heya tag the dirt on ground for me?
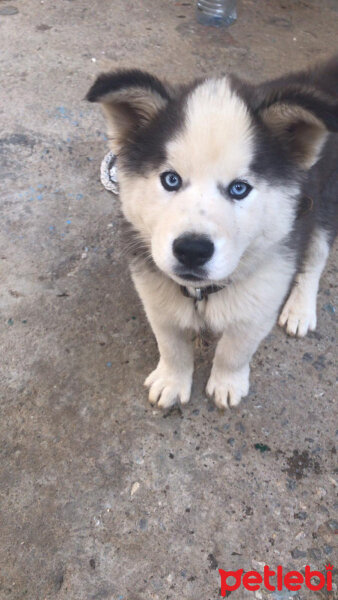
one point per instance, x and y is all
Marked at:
(103, 497)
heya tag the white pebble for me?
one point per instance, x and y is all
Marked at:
(134, 488)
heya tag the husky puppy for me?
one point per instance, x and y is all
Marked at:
(230, 191)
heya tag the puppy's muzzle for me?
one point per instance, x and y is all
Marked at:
(193, 250)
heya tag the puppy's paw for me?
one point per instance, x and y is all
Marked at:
(299, 312)
(167, 386)
(228, 387)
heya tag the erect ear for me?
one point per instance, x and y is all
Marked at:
(130, 99)
(301, 119)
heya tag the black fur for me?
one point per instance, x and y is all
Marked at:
(321, 185)
(317, 203)
(107, 83)
(315, 90)
(272, 160)
(146, 147)
(323, 107)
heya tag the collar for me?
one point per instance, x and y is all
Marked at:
(200, 293)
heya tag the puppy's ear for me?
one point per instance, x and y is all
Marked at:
(301, 119)
(130, 99)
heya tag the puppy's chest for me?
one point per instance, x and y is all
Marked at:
(211, 314)
(202, 312)
(250, 302)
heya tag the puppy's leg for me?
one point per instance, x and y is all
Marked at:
(229, 378)
(171, 380)
(299, 312)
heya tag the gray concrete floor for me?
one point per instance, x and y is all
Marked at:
(101, 496)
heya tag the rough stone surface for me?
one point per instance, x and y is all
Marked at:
(103, 497)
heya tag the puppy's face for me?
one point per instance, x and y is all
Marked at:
(203, 180)
(204, 205)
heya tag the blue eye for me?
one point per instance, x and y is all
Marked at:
(171, 181)
(239, 189)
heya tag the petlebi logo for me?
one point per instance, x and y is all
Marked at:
(275, 580)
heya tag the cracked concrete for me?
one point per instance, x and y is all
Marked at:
(101, 496)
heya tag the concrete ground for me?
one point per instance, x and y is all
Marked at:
(103, 497)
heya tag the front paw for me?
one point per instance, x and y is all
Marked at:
(228, 387)
(299, 312)
(168, 386)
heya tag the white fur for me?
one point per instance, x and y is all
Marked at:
(243, 312)
(299, 312)
(171, 380)
(228, 387)
(166, 385)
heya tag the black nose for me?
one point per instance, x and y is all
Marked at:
(193, 250)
